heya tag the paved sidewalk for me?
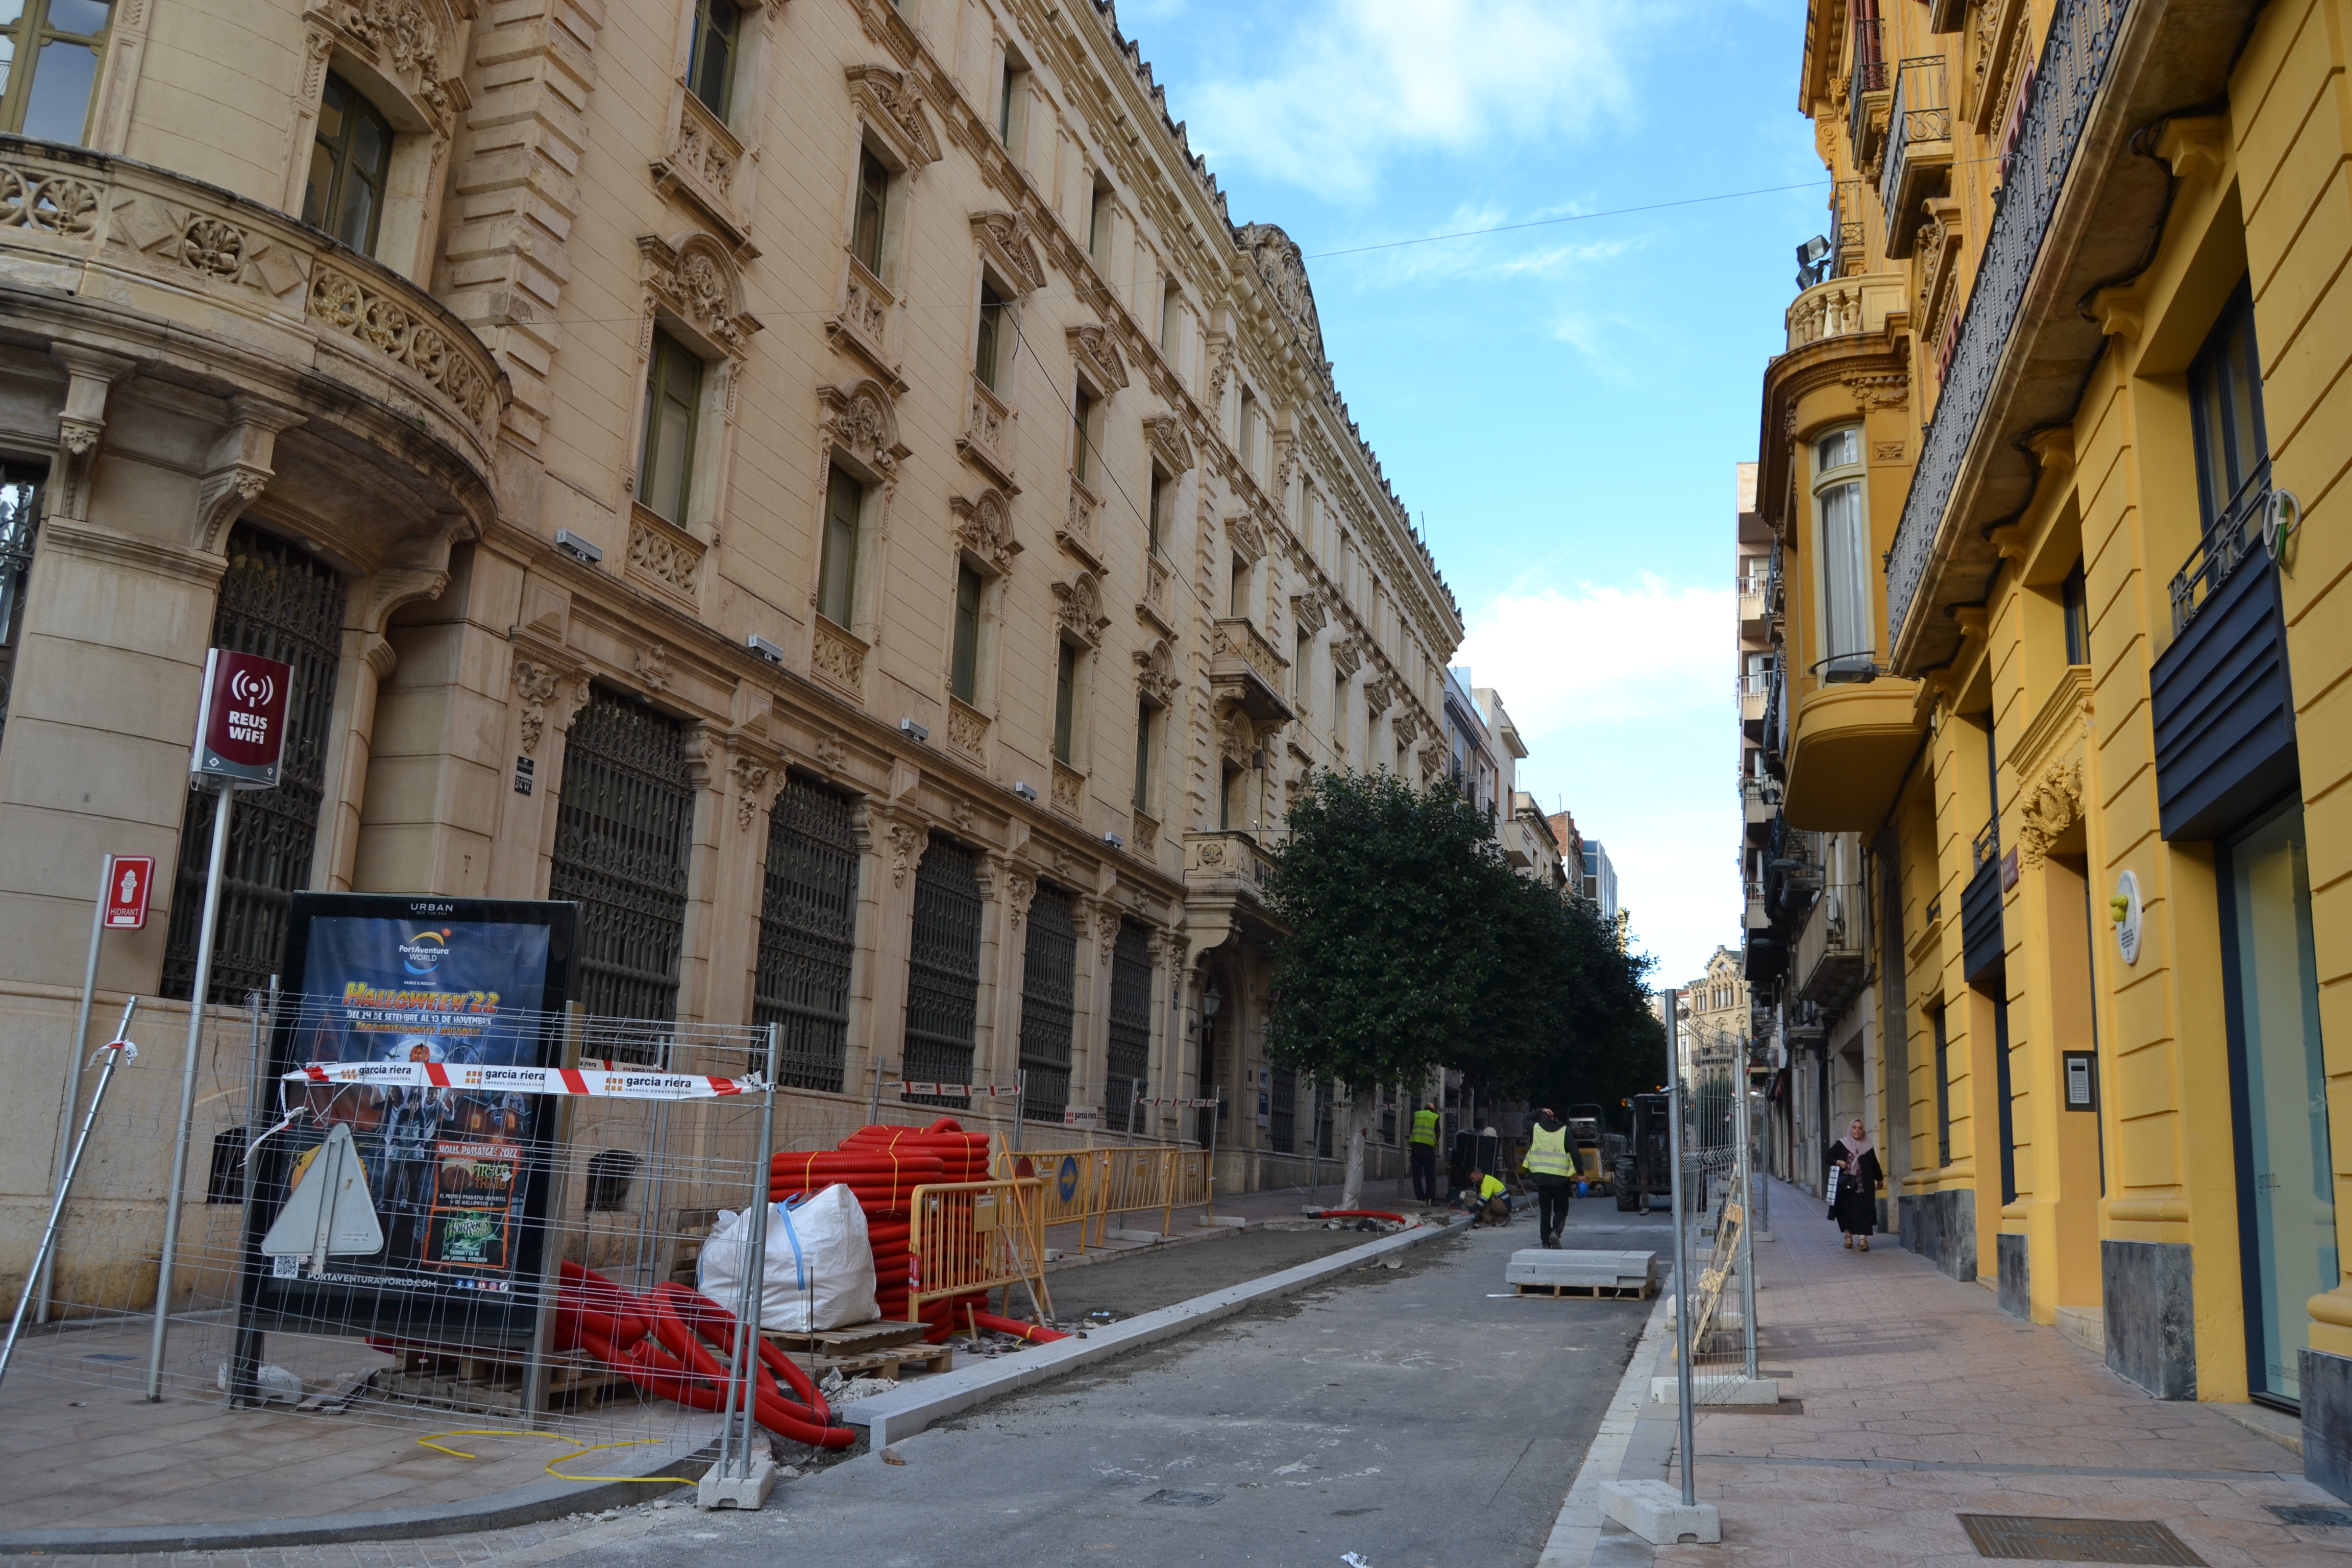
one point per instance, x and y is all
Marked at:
(1922, 1400)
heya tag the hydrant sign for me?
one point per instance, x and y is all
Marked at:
(128, 877)
(241, 723)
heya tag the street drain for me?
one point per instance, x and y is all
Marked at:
(2035, 1540)
(1167, 1499)
(2324, 1518)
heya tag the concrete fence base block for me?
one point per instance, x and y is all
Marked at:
(1719, 1390)
(715, 1490)
(1654, 1511)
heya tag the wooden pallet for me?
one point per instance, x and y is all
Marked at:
(855, 1340)
(890, 1363)
(492, 1383)
(1592, 1292)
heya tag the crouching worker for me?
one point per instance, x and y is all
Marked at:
(1484, 1200)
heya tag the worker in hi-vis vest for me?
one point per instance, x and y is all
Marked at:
(1423, 1142)
(1553, 1165)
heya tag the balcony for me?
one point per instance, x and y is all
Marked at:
(1244, 669)
(1850, 744)
(1833, 949)
(1866, 94)
(1849, 253)
(194, 262)
(1755, 693)
(1756, 599)
(2078, 207)
(1759, 800)
(1919, 149)
(1756, 919)
(1844, 307)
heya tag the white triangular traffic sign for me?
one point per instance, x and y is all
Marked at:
(330, 1211)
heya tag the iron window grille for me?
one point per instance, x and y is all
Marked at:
(280, 602)
(943, 970)
(20, 515)
(808, 933)
(1129, 1066)
(1048, 1004)
(1283, 1123)
(2233, 466)
(621, 829)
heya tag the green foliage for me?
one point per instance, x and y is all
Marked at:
(1413, 944)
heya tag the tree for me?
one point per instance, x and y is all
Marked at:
(1386, 889)
(1415, 945)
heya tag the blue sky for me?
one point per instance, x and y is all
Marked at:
(1564, 404)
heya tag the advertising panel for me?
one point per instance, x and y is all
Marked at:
(454, 1163)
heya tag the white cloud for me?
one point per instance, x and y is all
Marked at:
(1356, 81)
(1624, 698)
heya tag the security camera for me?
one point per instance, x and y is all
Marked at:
(577, 548)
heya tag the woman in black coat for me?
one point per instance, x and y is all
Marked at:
(1855, 1159)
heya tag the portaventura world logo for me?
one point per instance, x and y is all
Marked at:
(422, 954)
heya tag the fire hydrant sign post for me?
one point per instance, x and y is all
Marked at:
(240, 743)
(124, 882)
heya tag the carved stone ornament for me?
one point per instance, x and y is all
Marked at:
(1156, 672)
(1407, 725)
(1280, 263)
(984, 525)
(1223, 371)
(962, 813)
(1098, 358)
(861, 421)
(697, 281)
(1020, 892)
(1378, 695)
(1347, 657)
(653, 667)
(535, 684)
(908, 843)
(893, 105)
(750, 779)
(1236, 738)
(2054, 805)
(1078, 606)
(1106, 932)
(1309, 611)
(1004, 238)
(830, 754)
(1165, 433)
(1878, 391)
(1248, 541)
(664, 555)
(408, 38)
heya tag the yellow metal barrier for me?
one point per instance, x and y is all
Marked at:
(971, 1237)
(1086, 1186)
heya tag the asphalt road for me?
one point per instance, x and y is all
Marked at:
(1406, 1416)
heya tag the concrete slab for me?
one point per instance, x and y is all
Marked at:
(1656, 1511)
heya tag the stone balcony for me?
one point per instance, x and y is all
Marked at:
(1833, 949)
(1244, 669)
(319, 325)
(1845, 307)
(1849, 746)
(1231, 863)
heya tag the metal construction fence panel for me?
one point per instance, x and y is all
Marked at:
(967, 1239)
(1718, 1123)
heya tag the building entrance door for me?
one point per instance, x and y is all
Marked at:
(2286, 1210)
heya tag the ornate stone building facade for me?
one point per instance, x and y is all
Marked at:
(823, 483)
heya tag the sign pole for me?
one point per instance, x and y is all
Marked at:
(1684, 1296)
(1216, 1115)
(557, 1122)
(197, 993)
(73, 1069)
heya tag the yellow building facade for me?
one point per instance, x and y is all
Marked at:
(2057, 894)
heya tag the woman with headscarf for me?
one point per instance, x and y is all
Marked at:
(1856, 1207)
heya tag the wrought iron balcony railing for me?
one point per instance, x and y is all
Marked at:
(1987, 844)
(2073, 65)
(1868, 76)
(1918, 122)
(2225, 546)
(1847, 251)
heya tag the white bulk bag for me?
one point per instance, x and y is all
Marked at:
(820, 1268)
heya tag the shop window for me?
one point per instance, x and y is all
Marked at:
(963, 662)
(350, 157)
(867, 231)
(673, 401)
(993, 354)
(49, 54)
(1842, 529)
(836, 580)
(710, 68)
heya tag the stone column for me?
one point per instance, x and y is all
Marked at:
(891, 848)
(751, 776)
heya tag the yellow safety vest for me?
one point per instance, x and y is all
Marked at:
(1424, 1128)
(1489, 1188)
(1548, 1152)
